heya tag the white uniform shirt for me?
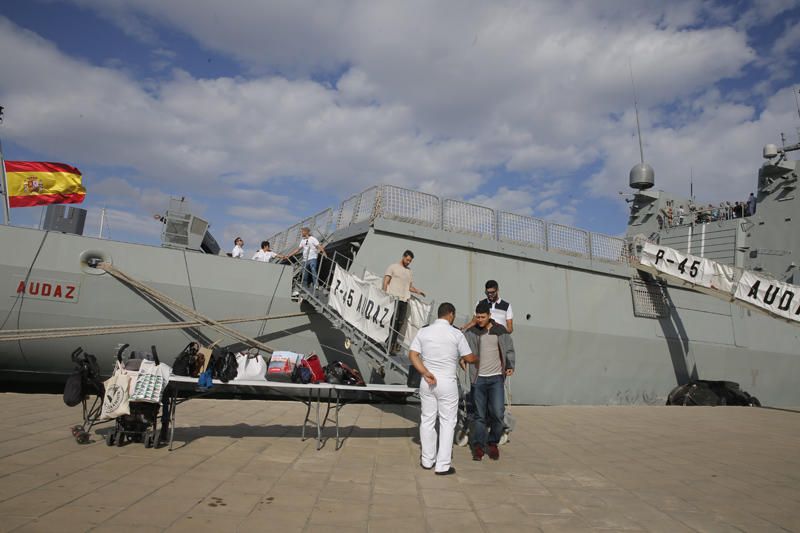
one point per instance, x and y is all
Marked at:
(237, 251)
(263, 256)
(440, 346)
(309, 246)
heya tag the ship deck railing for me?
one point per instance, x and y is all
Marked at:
(390, 202)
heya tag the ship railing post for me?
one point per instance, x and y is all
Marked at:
(589, 245)
(4, 184)
(546, 235)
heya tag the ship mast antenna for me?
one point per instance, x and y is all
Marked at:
(636, 110)
(795, 91)
(641, 176)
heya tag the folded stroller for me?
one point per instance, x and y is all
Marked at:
(81, 386)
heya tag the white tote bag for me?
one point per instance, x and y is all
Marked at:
(116, 400)
(150, 382)
(251, 366)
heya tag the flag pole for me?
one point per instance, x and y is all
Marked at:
(6, 218)
(4, 184)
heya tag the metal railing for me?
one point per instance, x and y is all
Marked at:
(395, 203)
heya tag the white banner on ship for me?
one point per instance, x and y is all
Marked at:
(361, 304)
(696, 270)
(781, 299)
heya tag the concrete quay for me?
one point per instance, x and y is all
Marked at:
(241, 466)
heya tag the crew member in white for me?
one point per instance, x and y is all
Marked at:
(435, 353)
(238, 248)
(265, 254)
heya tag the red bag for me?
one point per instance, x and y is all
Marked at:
(281, 366)
(312, 363)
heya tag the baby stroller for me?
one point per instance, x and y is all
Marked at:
(84, 383)
(146, 391)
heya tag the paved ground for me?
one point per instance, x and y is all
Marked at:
(240, 465)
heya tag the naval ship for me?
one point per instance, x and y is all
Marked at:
(589, 328)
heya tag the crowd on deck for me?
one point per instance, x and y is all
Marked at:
(701, 214)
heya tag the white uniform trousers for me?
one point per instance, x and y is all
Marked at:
(441, 399)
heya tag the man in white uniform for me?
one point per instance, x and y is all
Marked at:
(238, 248)
(265, 254)
(435, 353)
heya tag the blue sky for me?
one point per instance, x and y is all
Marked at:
(263, 113)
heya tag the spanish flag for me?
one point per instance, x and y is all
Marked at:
(36, 183)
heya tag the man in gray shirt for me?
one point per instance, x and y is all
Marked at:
(493, 346)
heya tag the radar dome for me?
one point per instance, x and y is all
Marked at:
(642, 176)
(770, 151)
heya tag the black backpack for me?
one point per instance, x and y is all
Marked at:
(225, 367)
(341, 374)
(186, 362)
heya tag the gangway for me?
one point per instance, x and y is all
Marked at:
(730, 283)
(390, 366)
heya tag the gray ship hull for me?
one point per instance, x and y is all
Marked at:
(62, 291)
(576, 330)
(577, 338)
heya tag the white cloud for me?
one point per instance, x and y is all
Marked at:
(438, 97)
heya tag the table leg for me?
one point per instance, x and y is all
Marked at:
(338, 443)
(319, 428)
(173, 409)
(305, 420)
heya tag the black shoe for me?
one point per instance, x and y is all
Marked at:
(447, 472)
(426, 467)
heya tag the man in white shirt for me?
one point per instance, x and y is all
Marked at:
(265, 255)
(398, 282)
(435, 353)
(500, 309)
(311, 249)
(238, 248)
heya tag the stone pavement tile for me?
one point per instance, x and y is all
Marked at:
(333, 512)
(704, 522)
(665, 499)
(7, 467)
(247, 483)
(786, 519)
(221, 502)
(557, 481)
(481, 497)
(10, 522)
(118, 528)
(445, 499)
(440, 521)
(346, 491)
(323, 528)
(362, 474)
(156, 510)
(196, 522)
(295, 497)
(391, 485)
(35, 503)
(275, 518)
(396, 524)
(153, 474)
(506, 514)
(542, 505)
(609, 519)
(18, 483)
(111, 497)
(70, 518)
(393, 506)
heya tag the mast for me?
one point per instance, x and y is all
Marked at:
(102, 221)
(4, 184)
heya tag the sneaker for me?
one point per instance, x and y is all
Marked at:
(477, 452)
(295, 294)
(494, 452)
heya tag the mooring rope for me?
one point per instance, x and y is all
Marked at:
(181, 308)
(88, 331)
